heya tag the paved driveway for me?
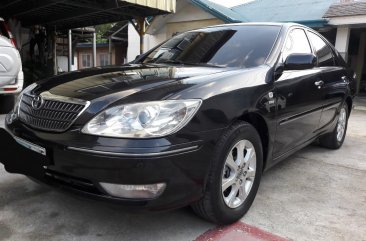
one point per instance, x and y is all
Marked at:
(316, 194)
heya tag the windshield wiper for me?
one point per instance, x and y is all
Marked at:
(170, 61)
(206, 65)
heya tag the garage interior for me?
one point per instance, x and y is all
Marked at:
(55, 26)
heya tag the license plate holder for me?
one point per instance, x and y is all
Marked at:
(31, 146)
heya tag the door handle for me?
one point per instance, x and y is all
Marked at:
(319, 83)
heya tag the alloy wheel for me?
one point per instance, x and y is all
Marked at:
(341, 126)
(238, 173)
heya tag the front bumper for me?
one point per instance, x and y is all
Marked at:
(79, 162)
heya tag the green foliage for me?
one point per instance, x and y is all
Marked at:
(101, 30)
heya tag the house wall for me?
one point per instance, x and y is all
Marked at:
(186, 18)
(174, 28)
(100, 50)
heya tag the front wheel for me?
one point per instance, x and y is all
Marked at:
(335, 139)
(235, 176)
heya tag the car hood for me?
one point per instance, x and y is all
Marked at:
(126, 80)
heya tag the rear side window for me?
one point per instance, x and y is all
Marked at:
(296, 43)
(3, 30)
(322, 50)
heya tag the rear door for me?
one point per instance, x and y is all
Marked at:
(298, 99)
(333, 76)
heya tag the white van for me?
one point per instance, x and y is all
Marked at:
(11, 73)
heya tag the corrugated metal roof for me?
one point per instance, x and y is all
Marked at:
(163, 5)
(65, 14)
(302, 11)
(346, 9)
(225, 14)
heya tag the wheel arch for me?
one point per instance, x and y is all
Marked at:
(349, 103)
(259, 123)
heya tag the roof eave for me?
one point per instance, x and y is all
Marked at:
(316, 23)
(215, 13)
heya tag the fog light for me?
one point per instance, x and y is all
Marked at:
(134, 191)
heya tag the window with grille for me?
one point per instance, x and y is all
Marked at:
(104, 59)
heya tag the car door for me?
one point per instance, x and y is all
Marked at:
(333, 76)
(298, 100)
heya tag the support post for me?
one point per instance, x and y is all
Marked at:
(110, 50)
(141, 26)
(54, 53)
(360, 61)
(70, 50)
(94, 49)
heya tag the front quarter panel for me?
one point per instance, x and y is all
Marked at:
(228, 97)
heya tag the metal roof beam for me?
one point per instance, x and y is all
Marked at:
(17, 8)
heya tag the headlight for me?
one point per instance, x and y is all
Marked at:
(28, 89)
(143, 120)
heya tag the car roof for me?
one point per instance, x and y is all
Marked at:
(280, 24)
(1, 19)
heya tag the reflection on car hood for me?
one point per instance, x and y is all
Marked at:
(94, 83)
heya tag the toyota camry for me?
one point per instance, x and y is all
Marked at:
(194, 121)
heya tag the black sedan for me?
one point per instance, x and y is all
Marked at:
(195, 121)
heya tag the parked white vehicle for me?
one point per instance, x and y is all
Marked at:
(11, 73)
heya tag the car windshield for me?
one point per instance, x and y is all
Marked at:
(234, 46)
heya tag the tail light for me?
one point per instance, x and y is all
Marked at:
(11, 37)
(10, 89)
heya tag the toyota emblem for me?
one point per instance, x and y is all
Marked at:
(37, 102)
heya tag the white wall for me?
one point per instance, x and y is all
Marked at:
(150, 41)
(186, 12)
(62, 62)
(133, 48)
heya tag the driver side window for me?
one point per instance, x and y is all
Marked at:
(296, 43)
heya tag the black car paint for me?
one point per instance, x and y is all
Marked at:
(288, 111)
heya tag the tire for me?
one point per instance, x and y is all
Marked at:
(6, 103)
(216, 205)
(335, 139)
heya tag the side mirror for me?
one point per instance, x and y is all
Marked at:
(300, 62)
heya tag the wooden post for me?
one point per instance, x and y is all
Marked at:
(360, 61)
(141, 26)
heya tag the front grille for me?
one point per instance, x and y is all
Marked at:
(54, 115)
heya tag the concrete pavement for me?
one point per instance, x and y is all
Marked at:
(317, 194)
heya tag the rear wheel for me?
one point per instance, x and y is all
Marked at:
(235, 176)
(335, 139)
